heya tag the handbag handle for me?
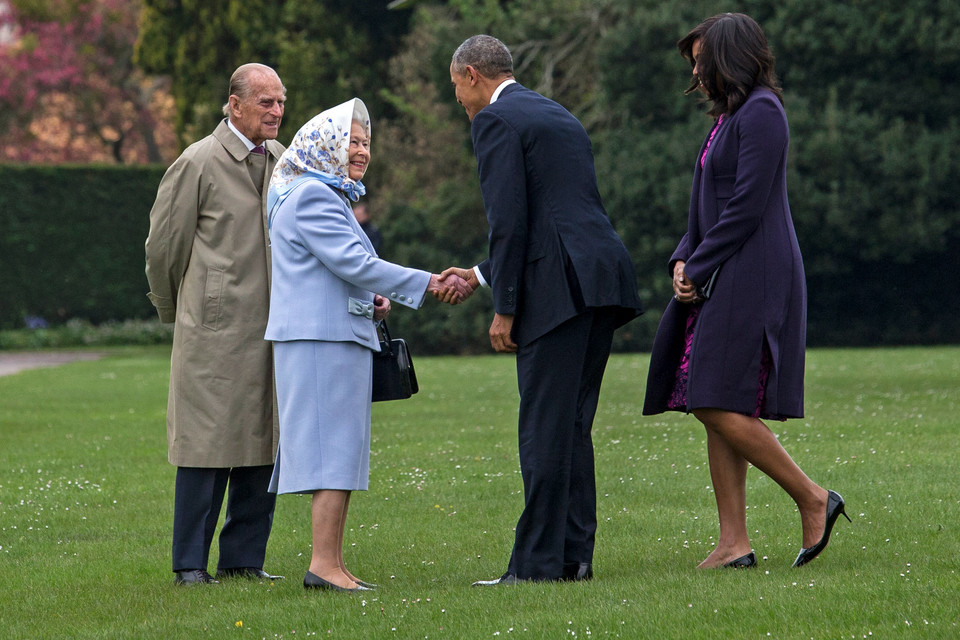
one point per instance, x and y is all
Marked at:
(385, 335)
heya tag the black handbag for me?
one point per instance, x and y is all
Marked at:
(707, 290)
(393, 375)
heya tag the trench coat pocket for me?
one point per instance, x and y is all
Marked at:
(212, 299)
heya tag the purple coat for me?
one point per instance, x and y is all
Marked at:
(740, 224)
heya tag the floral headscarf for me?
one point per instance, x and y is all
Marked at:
(320, 151)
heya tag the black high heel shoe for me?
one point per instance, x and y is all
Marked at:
(835, 508)
(313, 581)
(743, 562)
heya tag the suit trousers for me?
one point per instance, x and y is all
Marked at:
(197, 501)
(559, 376)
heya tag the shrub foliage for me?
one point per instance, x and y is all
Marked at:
(869, 93)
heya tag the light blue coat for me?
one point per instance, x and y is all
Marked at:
(326, 272)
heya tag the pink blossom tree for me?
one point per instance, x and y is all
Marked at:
(69, 91)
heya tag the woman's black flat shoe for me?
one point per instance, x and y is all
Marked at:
(743, 562)
(313, 581)
(835, 508)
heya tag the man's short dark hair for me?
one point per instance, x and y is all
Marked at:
(486, 54)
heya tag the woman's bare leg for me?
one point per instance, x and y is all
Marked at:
(728, 471)
(753, 441)
(343, 526)
(329, 513)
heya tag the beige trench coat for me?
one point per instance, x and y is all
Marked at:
(208, 266)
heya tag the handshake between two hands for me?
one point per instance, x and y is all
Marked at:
(454, 285)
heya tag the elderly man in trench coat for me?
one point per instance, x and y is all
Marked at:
(207, 263)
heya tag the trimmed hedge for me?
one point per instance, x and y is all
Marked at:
(73, 243)
(72, 248)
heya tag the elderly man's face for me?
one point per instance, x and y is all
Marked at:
(258, 116)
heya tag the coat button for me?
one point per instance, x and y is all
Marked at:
(394, 295)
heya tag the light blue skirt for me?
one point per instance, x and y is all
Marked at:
(323, 392)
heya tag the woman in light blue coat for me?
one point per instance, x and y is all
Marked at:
(328, 290)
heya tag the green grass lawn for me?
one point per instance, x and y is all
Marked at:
(86, 499)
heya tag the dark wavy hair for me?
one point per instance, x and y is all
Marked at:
(734, 59)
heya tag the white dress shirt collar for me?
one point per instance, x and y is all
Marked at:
(242, 137)
(496, 93)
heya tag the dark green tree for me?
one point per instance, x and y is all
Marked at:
(325, 52)
(869, 88)
(198, 44)
(874, 129)
(873, 141)
(428, 194)
(329, 52)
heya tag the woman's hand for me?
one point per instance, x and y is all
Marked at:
(683, 288)
(381, 308)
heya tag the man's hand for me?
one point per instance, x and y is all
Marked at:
(467, 274)
(500, 338)
(455, 285)
(451, 289)
(469, 277)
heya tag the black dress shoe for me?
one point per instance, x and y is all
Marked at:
(577, 571)
(368, 585)
(194, 576)
(743, 562)
(835, 507)
(313, 581)
(246, 572)
(506, 579)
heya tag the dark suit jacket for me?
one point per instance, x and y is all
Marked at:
(553, 251)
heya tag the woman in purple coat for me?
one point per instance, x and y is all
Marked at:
(730, 346)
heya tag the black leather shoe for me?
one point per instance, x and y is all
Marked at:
(367, 585)
(835, 508)
(246, 572)
(313, 581)
(505, 579)
(194, 576)
(577, 571)
(743, 562)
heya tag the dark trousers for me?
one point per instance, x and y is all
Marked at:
(196, 509)
(559, 376)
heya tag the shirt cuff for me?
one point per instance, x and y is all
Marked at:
(483, 283)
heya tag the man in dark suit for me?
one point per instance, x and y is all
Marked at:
(562, 282)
